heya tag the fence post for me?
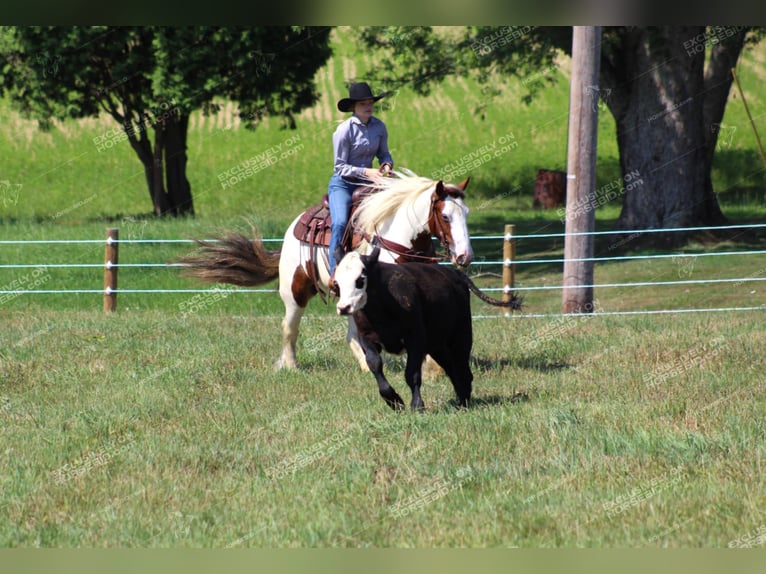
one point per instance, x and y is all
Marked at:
(509, 256)
(111, 256)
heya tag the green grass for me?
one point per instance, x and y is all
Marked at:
(150, 427)
(202, 444)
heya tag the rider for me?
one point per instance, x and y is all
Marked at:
(355, 143)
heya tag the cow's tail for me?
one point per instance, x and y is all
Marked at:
(232, 258)
(513, 303)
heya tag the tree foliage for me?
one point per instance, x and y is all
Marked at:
(150, 78)
(666, 87)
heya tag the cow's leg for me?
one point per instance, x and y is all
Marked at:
(375, 364)
(457, 367)
(459, 352)
(413, 374)
(462, 381)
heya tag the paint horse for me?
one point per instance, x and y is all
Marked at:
(404, 211)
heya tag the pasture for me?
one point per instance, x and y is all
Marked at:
(159, 427)
(146, 429)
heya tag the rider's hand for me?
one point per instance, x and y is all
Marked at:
(385, 169)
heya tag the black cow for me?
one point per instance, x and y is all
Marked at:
(418, 307)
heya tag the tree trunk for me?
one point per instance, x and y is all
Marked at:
(718, 81)
(665, 106)
(179, 190)
(660, 136)
(165, 163)
(149, 158)
(159, 196)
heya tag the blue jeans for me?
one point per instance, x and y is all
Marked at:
(339, 195)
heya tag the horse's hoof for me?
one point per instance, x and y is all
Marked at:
(280, 364)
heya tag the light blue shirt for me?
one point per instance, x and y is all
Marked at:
(356, 144)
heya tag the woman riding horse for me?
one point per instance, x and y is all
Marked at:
(355, 143)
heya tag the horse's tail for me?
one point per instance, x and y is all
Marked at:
(514, 302)
(233, 259)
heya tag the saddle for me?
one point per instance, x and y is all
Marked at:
(314, 225)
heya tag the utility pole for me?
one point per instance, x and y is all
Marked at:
(581, 169)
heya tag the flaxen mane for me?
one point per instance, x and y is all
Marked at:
(395, 193)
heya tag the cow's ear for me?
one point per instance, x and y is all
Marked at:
(439, 190)
(372, 258)
(339, 253)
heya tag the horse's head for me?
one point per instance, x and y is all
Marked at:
(448, 221)
(412, 209)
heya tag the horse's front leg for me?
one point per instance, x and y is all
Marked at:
(290, 325)
(352, 337)
(295, 295)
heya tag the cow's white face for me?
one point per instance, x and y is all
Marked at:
(351, 280)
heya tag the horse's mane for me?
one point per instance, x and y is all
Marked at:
(391, 194)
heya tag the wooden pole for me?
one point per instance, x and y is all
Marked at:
(581, 169)
(509, 256)
(111, 257)
(750, 117)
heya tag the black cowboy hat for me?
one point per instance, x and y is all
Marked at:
(356, 93)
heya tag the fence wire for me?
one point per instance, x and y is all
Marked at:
(505, 289)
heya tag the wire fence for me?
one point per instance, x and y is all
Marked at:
(14, 289)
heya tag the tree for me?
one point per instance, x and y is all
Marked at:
(666, 88)
(153, 77)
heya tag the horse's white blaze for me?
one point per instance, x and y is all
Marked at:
(456, 213)
(351, 280)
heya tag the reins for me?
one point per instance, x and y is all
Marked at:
(407, 253)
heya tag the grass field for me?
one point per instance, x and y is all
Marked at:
(152, 427)
(591, 432)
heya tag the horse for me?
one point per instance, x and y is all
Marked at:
(403, 211)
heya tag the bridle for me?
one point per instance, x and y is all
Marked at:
(436, 224)
(437, 227)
